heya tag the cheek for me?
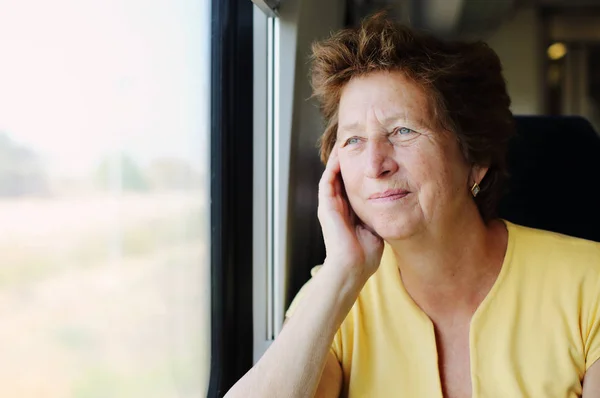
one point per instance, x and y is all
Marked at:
(351, 175)
(441, 174)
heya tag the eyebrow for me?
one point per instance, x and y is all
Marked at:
(357, 127)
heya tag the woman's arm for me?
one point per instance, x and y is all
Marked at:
(591, 381)
(295, 362)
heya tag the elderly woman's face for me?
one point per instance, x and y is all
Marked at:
(402, 174)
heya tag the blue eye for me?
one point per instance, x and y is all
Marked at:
(403, 134)
(352, 140)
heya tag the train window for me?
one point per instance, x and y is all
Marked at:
(265, 220)
(104, 200)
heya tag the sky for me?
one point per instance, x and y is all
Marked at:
(80, 79)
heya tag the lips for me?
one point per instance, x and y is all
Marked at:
(390, 194)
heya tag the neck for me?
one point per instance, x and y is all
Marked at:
(452, 265)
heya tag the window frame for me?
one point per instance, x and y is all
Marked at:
(231, 192)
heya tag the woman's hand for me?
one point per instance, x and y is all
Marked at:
(349, 243)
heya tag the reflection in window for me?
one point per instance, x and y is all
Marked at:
(104, 277)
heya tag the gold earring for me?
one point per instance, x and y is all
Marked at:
(475, 189)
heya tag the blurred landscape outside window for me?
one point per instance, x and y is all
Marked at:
(104, 217)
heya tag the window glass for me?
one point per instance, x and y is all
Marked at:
(104, 199)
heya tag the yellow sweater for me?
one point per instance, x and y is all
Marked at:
(534, 335)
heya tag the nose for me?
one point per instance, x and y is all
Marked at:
(380, 160)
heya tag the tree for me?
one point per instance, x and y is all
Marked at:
(123, 166)
(21, 171)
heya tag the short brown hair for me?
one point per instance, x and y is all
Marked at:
(463, 79)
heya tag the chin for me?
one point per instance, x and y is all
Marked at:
(397, 228)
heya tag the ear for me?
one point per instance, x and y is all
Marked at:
(477, 174)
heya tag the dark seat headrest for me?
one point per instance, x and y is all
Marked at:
(554, 166)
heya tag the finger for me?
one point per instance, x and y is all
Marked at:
(329, 184)
(353, 217)
(338, 186)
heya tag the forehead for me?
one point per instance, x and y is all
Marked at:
(382, 95)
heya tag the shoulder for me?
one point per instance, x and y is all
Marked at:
(299, 296)
(555, 252)
(555, 268)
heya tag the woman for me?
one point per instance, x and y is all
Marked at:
(424, 293)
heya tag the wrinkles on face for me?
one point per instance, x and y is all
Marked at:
(386, 142)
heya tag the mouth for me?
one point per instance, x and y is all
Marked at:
(389, 195)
